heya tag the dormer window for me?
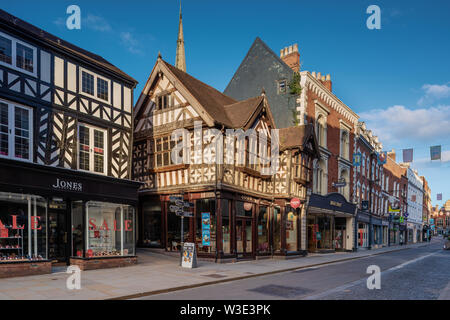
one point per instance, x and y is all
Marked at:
(282, 87)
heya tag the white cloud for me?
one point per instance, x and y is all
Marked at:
(434, 92)
(130, 42)
(398, 123)
(96, 23)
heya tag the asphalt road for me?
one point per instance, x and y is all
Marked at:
(415, 273)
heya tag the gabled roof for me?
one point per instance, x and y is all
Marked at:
(39, 34)
(220, 108)
(298, 137)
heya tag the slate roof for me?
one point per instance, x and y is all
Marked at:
(261, 69)
(42, 35)
(222, 108)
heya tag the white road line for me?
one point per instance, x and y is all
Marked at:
(363, 280)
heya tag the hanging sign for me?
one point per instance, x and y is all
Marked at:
(364, 205)
(295, 203)
(339, 184)
(357, 159)
(206, 229)
(189, 258)
(382, 157)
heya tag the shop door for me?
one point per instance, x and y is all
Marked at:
(312, 240)
(58, 235)
(244, 236)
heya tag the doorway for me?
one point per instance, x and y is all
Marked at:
(244, 236)
(58, 235)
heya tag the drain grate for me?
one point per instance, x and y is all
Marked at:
(282, 291)
(214, 275)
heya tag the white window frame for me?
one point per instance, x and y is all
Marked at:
(96, 76)
(13, 64)
(91, 146)
(12, 134)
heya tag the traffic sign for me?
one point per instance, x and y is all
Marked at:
(295, 203)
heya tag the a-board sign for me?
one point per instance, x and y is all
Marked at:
(189, 256)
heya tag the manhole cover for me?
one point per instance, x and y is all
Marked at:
(282, 291)
(214, 275)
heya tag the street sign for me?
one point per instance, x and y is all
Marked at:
(184, 214)
(339, 184)
(175, 198)
(295, 203)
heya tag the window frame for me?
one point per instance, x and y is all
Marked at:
(95, 95)
(12, 133)
(13, 64)
(91, 146)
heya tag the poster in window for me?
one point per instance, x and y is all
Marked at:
(206, 229)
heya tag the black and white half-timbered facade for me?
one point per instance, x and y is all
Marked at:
(239, 209)
(66, 121)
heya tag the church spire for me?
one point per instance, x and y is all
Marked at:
(180, 59)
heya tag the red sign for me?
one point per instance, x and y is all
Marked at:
(295, 203)
(248, 206)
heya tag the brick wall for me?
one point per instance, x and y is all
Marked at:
(92, 264)
(9, 270)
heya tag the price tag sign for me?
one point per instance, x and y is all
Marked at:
(189, 257)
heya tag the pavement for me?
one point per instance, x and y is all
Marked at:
(158, 274)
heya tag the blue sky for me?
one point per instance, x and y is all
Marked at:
(396, 78)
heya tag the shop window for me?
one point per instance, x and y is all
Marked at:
(263, 230)
(244, 209)
(22, 227)
(291, 229)
(226, 225)
(110, 229)
(77, 229)
(325, 233)
(276, 229)
(92, 148)
(16, 131)
(151, 213)
(174, 230)
(205, 235)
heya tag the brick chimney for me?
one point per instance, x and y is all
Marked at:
(291, 57)
(391, 154)
(327, 82)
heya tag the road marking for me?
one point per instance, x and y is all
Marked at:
(345, 287)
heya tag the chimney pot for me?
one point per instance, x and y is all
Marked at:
(318, 75)
(328, 77)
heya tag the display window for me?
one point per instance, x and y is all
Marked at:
(110, 229)
(205, 225)
(151, 212)
(276, 229)
(226, 225)
(263, 230)
(23, 230)
(324, 235)
(291, 229)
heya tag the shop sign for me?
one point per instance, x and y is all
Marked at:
(394, 209)
(34, 224)
(336, 204)
(189, 257)
(357, 159)
(365, 205)
(295, 203)
(175, 198)
(206, 229)
(128, 225)
(67, 185)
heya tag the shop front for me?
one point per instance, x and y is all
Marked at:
(377, 229)
(55, 216)
(238, 226)
(385, 227)
(330, 223)
(363, 224)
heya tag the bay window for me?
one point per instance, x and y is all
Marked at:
(15, 131)
(92, 149)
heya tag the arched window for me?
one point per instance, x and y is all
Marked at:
(345, 176)
(363, 164)
(345, 144)
(321, 130)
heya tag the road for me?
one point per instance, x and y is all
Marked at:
(415, 273)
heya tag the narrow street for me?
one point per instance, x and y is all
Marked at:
(415, 273)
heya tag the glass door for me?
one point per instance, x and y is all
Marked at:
(58, 236)
(244, 237)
